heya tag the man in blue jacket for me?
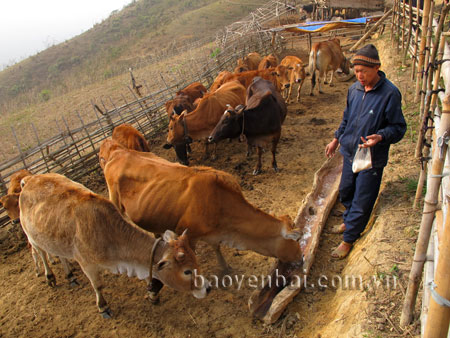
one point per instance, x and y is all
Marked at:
(372, 119)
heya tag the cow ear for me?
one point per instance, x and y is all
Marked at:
(169, 236)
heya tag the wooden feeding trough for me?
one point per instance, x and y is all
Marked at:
(268, 303)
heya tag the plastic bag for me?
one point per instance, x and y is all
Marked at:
(362, 160)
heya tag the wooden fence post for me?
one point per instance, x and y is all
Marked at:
(423, 40)
(439, 315)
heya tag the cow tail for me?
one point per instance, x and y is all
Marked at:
(312, 65)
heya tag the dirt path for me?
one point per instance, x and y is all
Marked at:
(28, 307)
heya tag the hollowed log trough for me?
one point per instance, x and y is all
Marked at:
(269, 303)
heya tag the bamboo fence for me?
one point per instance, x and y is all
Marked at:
(421, 33)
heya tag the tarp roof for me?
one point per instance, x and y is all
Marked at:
(324, 26)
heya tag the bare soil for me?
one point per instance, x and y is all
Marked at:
(28, 307)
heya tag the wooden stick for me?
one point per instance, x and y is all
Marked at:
(438, 320)
(423, 40)
(405, 54)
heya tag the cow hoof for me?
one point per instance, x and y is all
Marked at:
(188, 149)
(320, 92)
(51, 280)
(74, 283)
(325, 82)
(331, 85)
(153, 297)
(106, 314)
(276, 169)
(256, 172)
(311, 94)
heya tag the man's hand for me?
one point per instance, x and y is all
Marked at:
(371, 140)
(330, 149)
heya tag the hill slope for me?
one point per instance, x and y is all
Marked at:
(141, 29)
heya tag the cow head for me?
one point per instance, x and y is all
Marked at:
(345, 66)
(11, 204)
(14, 184)
(229, 125)
(289, 248)
(107, 147)
(178, 267)
(178, 137)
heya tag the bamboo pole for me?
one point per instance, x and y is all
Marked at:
(405, 52)
(414, 56)
(430, 206)
(437, 324)
(403, 23)
(374, 27)
(423, 40)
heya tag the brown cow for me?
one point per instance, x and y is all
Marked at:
(14, 184)
(198, 124)
(272, 74)
(268, 62)
(249, 62)
(326, 56)
(88, 228)
(295, 74)
(185, 99)
(130, 137)
(219, 80)
(11, 201)
(159, 195)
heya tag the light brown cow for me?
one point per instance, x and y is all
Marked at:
(14, 184)
(198, 124)
(273, 74)
(130, 137)
(326, 56)
(88, 228)
(159, 195)
(249, 62)
(185, 99)
(268, 61)
(219, 80)
(295, 73)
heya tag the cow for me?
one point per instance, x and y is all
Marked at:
(88, 228)
(326, 56)
(185, 98)
(158, 195)
(295, 74)
(219, 80)
(268, 61)
(198, 124)
(130, 137)
(273, 74)
(259, 120)
(249, 62)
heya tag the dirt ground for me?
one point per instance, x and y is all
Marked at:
(28, 307)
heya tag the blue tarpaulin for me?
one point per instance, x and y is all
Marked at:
(323, 26)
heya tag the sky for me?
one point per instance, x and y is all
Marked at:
(29, 26)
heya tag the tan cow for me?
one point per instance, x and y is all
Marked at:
(219, 80)
(130, 137)
(295, 73)
(88, 228)
(249, 62)
(198, 124)
(326, 56)
(159, 195)
(185, 99)
(268, 61)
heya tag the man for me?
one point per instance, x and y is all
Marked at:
(372, 119)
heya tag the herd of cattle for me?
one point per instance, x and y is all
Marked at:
(150, 194)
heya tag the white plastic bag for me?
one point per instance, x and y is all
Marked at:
(362, 160)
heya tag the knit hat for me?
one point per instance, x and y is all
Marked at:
(367, 56)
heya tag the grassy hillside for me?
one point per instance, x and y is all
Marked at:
(143, 28)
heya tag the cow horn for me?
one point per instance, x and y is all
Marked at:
(184, 232)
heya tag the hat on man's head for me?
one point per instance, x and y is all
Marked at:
(367, 56)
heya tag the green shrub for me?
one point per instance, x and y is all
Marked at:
(44, 95)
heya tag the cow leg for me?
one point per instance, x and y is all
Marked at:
(34, 254)
(206, 154)
(214, 152)
(274, 150)
(324, 76)
(331, 79)
(300, 85)
(153, 288)
(290, 92)
(49, 276)
(93, 275)
(223, 264)
(258, 167)
(69, 272)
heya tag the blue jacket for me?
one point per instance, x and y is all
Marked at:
(378, 111)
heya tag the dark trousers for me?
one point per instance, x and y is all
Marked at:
(358, 193)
